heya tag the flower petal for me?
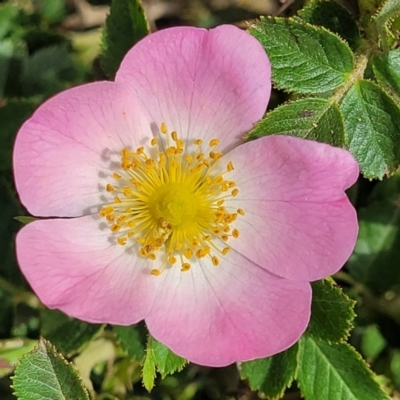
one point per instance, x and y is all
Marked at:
(203, 84)
(234, 312)
(67, 150)
(73, 265)
(298, 223)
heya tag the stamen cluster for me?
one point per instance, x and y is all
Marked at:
(171, 204)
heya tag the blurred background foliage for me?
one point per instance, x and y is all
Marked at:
(49, 45)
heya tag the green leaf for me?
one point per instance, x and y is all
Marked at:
(387, 189)
(125, 26)
(53, 10)
(372, 342)
(149, 369)
(6, 52)
(386, 68)
(272, 375)
(331, 312)
(132, 339)
(372, 121)
(332, 371)
(167, 362)
(159, 357)
(390, 9)
(304, 58)
(48, 71)
(11, 350)
(25, 219)
(8, 19)
(69, 335)
(375, 258)
(311, 118)
(43, 374)
(334, 17)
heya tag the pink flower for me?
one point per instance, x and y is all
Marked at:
(156, 213)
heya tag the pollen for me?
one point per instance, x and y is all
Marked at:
(168, 203)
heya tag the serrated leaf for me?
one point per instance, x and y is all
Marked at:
(43, 374)
(69, 335)
(159, 357)
(374, 261)
(272, 375)
(386, 68)
(331, 312)
(167, 362)
(333, 371)
(132, 339)
(125, 25)
(372, 121)
(390, 9)
(304, 58)
(332, 16)
(311, 118)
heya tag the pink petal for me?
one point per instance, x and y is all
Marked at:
(65, 154)
(74, 266)
(234, 312)
(298, 223)
(203, 84)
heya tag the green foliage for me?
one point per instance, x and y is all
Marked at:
(372, 342)
(331, 312)
(48, 71)
(132, 339)
(371, 121)
(272, 375)
(386, 68)
(334, 17)
(375, 258)
(334, 371)
(43, 374)
(310, 118)
(305, 58)
(125, 26)
(12, 114)
(159, 358)
(69, 335)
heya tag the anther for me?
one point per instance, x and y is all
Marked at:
(163, 128)
(154, 141)
(230, 167)
(225, 250)
(122, 241)
(185, 267)
(215, 261)
(213, 142)
(155, 272)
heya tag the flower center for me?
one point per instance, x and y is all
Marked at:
(169, 204)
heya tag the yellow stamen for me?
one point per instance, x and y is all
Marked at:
(171, 202)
